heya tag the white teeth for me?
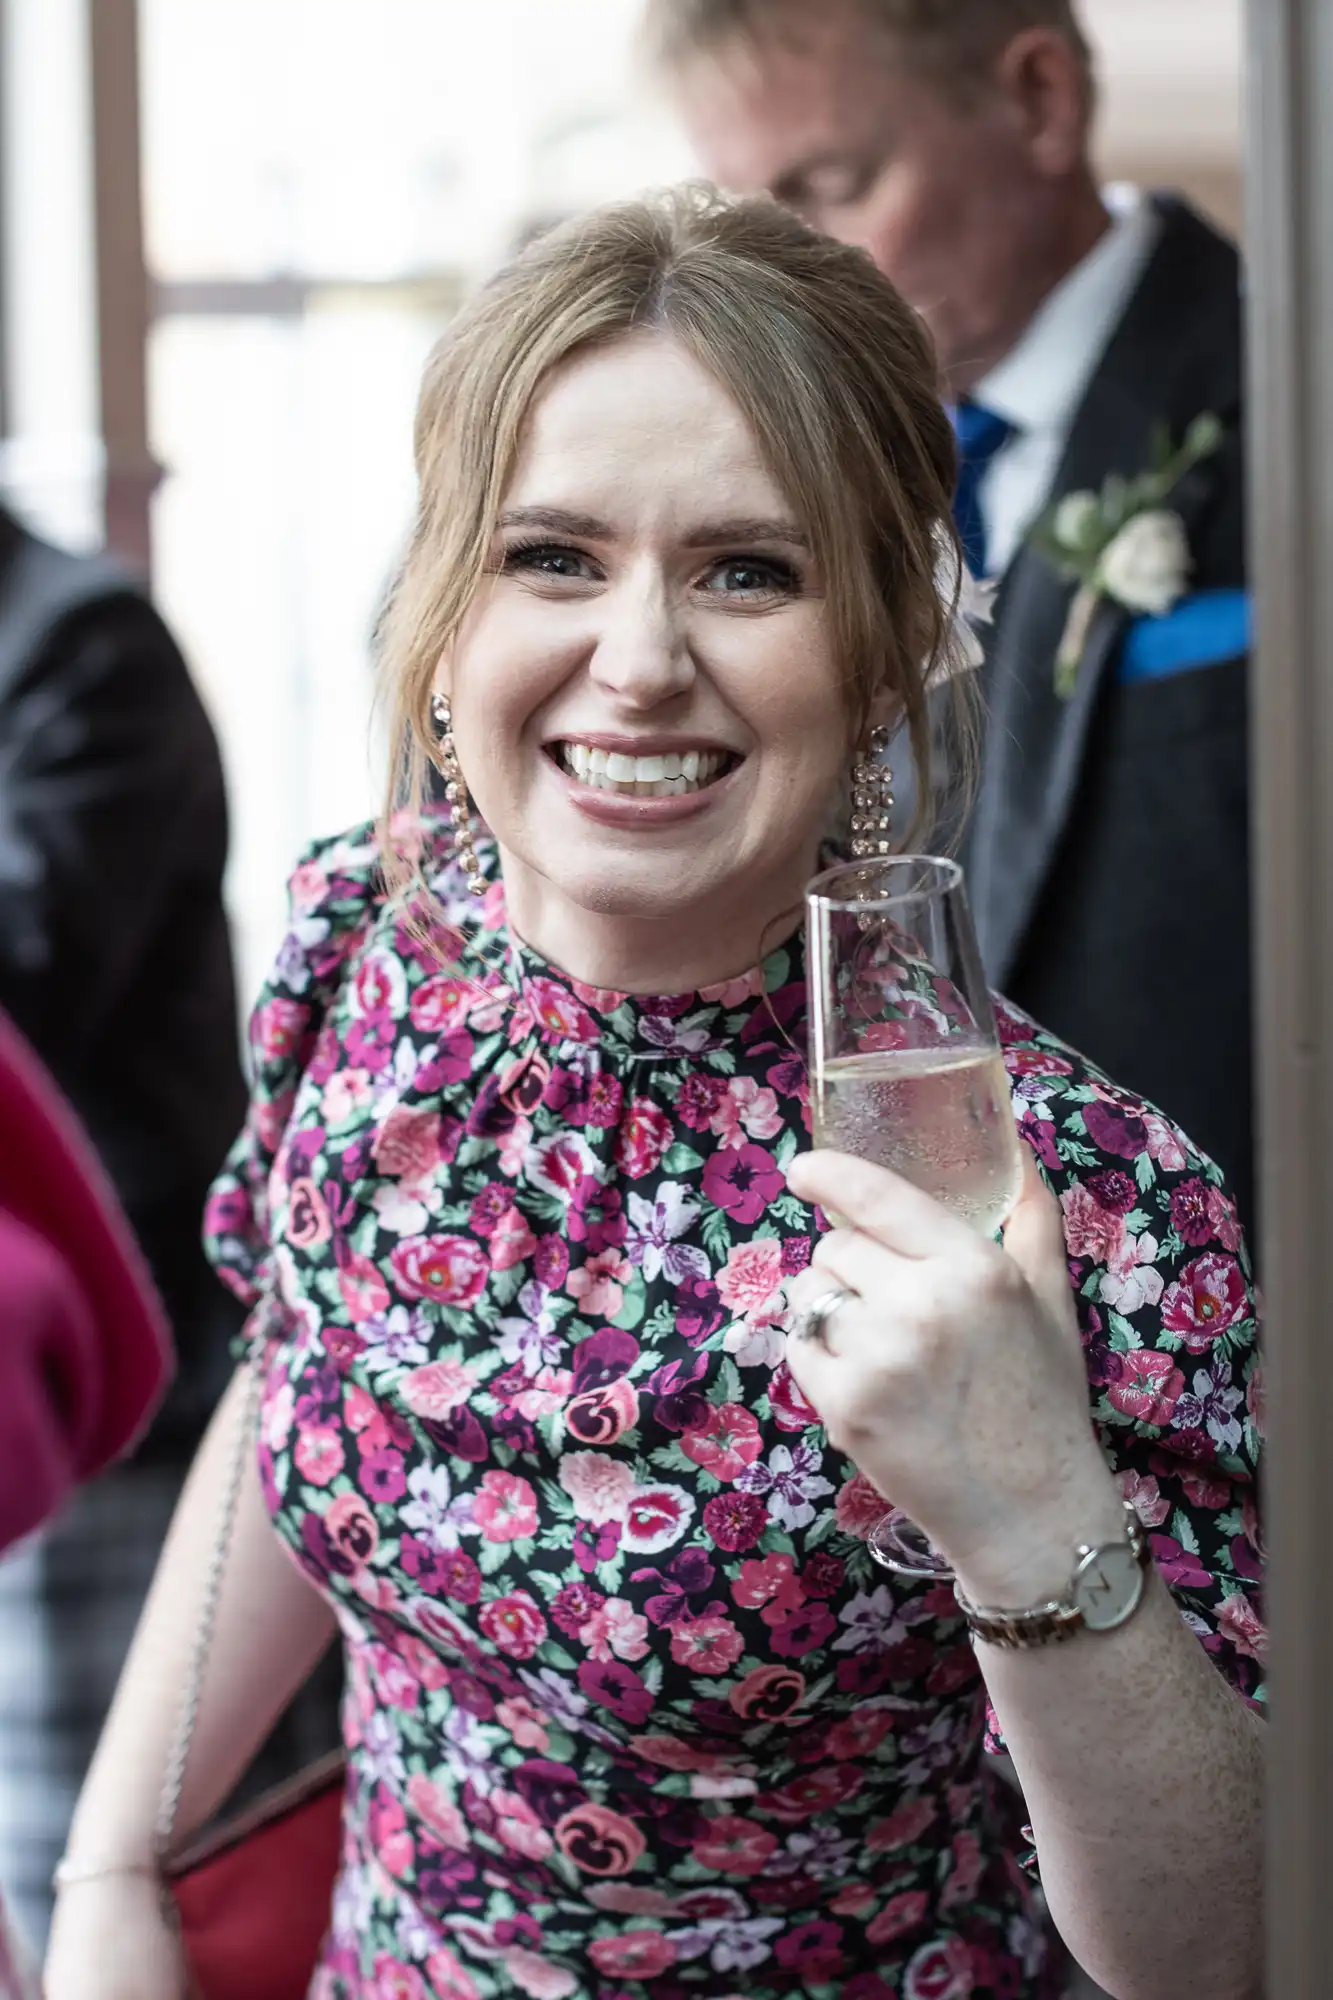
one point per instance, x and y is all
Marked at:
(640, 777)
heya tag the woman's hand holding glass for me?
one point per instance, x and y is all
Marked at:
(954, 1377)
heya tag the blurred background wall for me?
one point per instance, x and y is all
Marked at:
(271, 206)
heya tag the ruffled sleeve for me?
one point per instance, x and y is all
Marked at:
(1170, 1334)
(334, 896)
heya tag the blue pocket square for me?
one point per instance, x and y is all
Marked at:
(1202, 630)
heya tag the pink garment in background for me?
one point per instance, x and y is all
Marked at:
(84, 1348)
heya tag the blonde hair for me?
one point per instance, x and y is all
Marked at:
(833, 372)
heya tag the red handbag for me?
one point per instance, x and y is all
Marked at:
(251, 1898)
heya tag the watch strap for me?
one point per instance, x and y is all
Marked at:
(1059, 1618)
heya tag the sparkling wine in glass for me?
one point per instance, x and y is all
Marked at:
(905, 1063)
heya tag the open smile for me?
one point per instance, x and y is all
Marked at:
(657, 775)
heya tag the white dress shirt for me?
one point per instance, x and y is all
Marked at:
(1041, 382)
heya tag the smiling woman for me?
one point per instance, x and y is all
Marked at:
(523, 1208)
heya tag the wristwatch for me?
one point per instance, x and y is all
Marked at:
(1105, 1591)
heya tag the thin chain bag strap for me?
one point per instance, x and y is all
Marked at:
(173, 1780)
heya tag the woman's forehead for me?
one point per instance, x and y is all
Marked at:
(639, 422)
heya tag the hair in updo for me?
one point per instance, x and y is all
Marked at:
(834, 373)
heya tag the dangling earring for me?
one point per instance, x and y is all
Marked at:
(872, 799)
(455, 792)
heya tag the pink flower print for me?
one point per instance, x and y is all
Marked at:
(628, 1899)
(519, 1827)
(558, 1163)
(1091, 1230)
(746, 1110)
(759, 1581)
(450, 1269)
(514, 1624)
(1123, 1134)
(788, 1406)
(488, 1207)
(743, 1182)
(307, 888)
(363, 1289)
(1164, 1143)
(600, 1486)
(751, 1275)
(441, 1006)
(536, 1976)
(813, 1950)
(598, 1285)
(276, 1029)
(1131, 1282)
(390, 1839)
(395, 1981)
(350, 1527)
(645, 1134)
(1148, 1386)
(1190, 1215)
(550, 1262)
(547, 1392)
(555, 1009)
(735, 1521)
(573, 1606)
(447, 1977)
(617, 1688)
(729, 1845)
(307, 1216)
(597, 1840)
(901, 1913)
(1222, 1219)
(319, 1455)
(655, 1517)
(768, 1694)
(698, 1100)
(600, 1416)
(639, 1954)
(859, 1506)
(504, 1507)
(370, 1042)
(511, 1241)
(707, 1645)
(904, 1826)
(615, 1628)
(1145, 1496)
(526, 1724)
(1208, 1297)
(1239, 1622)
(726, 1442)
(438, 1389)
(412, 1144)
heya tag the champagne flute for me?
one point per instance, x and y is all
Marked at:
(905, 1062)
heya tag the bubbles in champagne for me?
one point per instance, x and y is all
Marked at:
(941, 1117)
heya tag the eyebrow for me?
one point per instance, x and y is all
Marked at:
(710, 535)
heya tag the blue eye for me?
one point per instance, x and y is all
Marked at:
(551, 559)
(752, 576)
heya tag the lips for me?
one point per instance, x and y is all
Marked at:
(662, 774)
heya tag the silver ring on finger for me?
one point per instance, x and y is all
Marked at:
(811, 1321)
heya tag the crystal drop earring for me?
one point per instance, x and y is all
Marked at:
(455, 792)
(872, 799)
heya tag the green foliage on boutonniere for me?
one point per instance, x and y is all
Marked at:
(1123, 543)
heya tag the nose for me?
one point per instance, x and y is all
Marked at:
(642, 657)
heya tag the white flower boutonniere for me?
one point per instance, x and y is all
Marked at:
(1123, 543)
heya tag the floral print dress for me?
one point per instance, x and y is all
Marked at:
(631, 1711)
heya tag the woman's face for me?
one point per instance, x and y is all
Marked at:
(645, 704)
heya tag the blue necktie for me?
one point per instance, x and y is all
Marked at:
(980, 434)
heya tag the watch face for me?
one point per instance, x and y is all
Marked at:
(1107, 1586)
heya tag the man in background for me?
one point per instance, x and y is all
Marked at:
(116, 963)
(1079, 332)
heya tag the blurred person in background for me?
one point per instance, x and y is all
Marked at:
(115, 960)
(1075, 326)
(83, 1340)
